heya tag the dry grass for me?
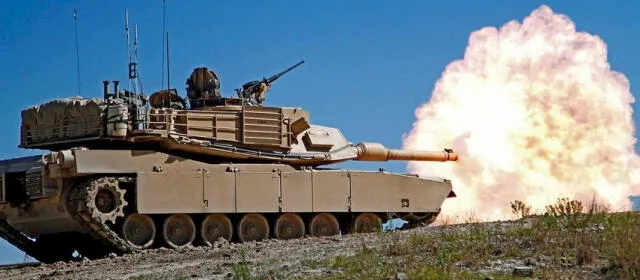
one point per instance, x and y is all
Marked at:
(569, 240)
(520, 209)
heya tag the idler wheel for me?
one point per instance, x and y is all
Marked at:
(139, 230)
(324, 224)
(179, 230)
(253, 227)
(366, 222)
(216, 226)
(289, 226)
(105, 199)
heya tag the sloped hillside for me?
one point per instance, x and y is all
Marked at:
(568, 242)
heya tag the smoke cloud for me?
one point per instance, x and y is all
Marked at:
(535, 113)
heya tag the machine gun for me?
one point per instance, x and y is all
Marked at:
(257, 89)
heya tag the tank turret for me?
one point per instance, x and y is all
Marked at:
(214, 129)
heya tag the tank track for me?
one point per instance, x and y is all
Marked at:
(98, 230)
(47, 249)
(17, 239)
(103, 240)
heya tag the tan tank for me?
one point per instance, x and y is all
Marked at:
(125, 173)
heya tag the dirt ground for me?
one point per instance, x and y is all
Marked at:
(200, 262)
(320, 258)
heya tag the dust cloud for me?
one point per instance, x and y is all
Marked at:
(535, 113)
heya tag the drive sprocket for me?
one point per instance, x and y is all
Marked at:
(105, 199)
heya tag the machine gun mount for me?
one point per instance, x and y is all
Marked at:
(257, 89)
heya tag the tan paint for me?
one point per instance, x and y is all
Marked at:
(161, 193)
(297, 191)
(401, 193)
(377, 152)
(220, 192)
(331, 191)
(125, 161)
(257, 192)
(260, 126)
(182, 185)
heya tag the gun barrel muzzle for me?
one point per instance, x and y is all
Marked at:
(377, 152)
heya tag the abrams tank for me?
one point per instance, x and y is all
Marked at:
(124, 173)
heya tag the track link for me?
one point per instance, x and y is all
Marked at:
(17, 239)
(45, 249)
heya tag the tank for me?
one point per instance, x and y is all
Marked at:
(124, 173)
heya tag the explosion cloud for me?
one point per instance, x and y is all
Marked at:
(535, 113)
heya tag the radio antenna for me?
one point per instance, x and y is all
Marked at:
(126, 31)
(135, 55)
(134, 78)
(168, 76)
(75, 24)
(164, 15)
(135, 100)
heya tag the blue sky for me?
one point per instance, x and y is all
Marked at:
(368, 64)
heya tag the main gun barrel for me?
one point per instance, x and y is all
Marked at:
(377, 152)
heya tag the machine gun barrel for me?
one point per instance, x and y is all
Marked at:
(276, 76)
(254, 87)
(377, 152)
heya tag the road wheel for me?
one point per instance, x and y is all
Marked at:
(139, 230)
(179, 230)
(215, 226)
(289, 226)
(253, 227)
(324, 224)
(366, 222)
